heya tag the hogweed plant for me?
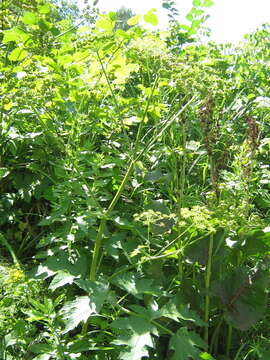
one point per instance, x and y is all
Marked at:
(134, 201)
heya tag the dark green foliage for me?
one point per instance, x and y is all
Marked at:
(134, 177)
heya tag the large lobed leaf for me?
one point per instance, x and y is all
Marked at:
(136, 338)
(76, 311)
(186, 345)
(83, 307)
(244, 295)
(131, 283)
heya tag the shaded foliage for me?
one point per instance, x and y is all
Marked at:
(134, 184)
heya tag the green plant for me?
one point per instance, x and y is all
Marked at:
(134, 201)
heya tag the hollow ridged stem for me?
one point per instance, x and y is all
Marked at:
(207, 285)
(181, 192)
(103, 221)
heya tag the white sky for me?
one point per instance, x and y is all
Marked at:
(229, 20)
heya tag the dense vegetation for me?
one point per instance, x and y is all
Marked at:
(134, 176)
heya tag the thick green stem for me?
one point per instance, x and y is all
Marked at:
(98, 243)
(121, 188)
(207, 285)
(210, 255)
(183, 166)
(7, 245)
(181, 192)
(103, 221)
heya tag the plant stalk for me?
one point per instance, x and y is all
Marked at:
(207, 286)
(229, 340)
(215, 335)
(98, 242)
(7, 245)
(181, 192)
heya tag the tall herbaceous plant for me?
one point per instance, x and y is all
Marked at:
(134, 176)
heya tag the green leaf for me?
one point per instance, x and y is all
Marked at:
(40, 273)
(190, 16)
(134, 20)
(60, 262)
(62, 278)
(208, 3)
(244, 295)
(149, 313)
(17, 54)
(43, 357)
(202, 3)
(153, 176)
(135, 286)
(98, 292)
(39, 306)
(105, 23)
(41, 348)
(15, 34)
(255, 243)
(185, 345)
(3, 172)
(44, 9)
(80, 345)
(10, 339)
(63, 60)
(44, 25)
(123, 223)
(34, 315)
(10, 35)
(174, 311)
(151, 18)
(137, 346)
(206, 356)
(76, 311)
(137, 338)
(29, 18)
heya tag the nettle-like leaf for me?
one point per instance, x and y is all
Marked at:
(137, 337)
(244, 295)
(40, 272)
(186, 345)
(135, 286)
(175, 311)
(76, 311)
(83, 307)
(98, 292)
(62, 278)
(60, 261)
